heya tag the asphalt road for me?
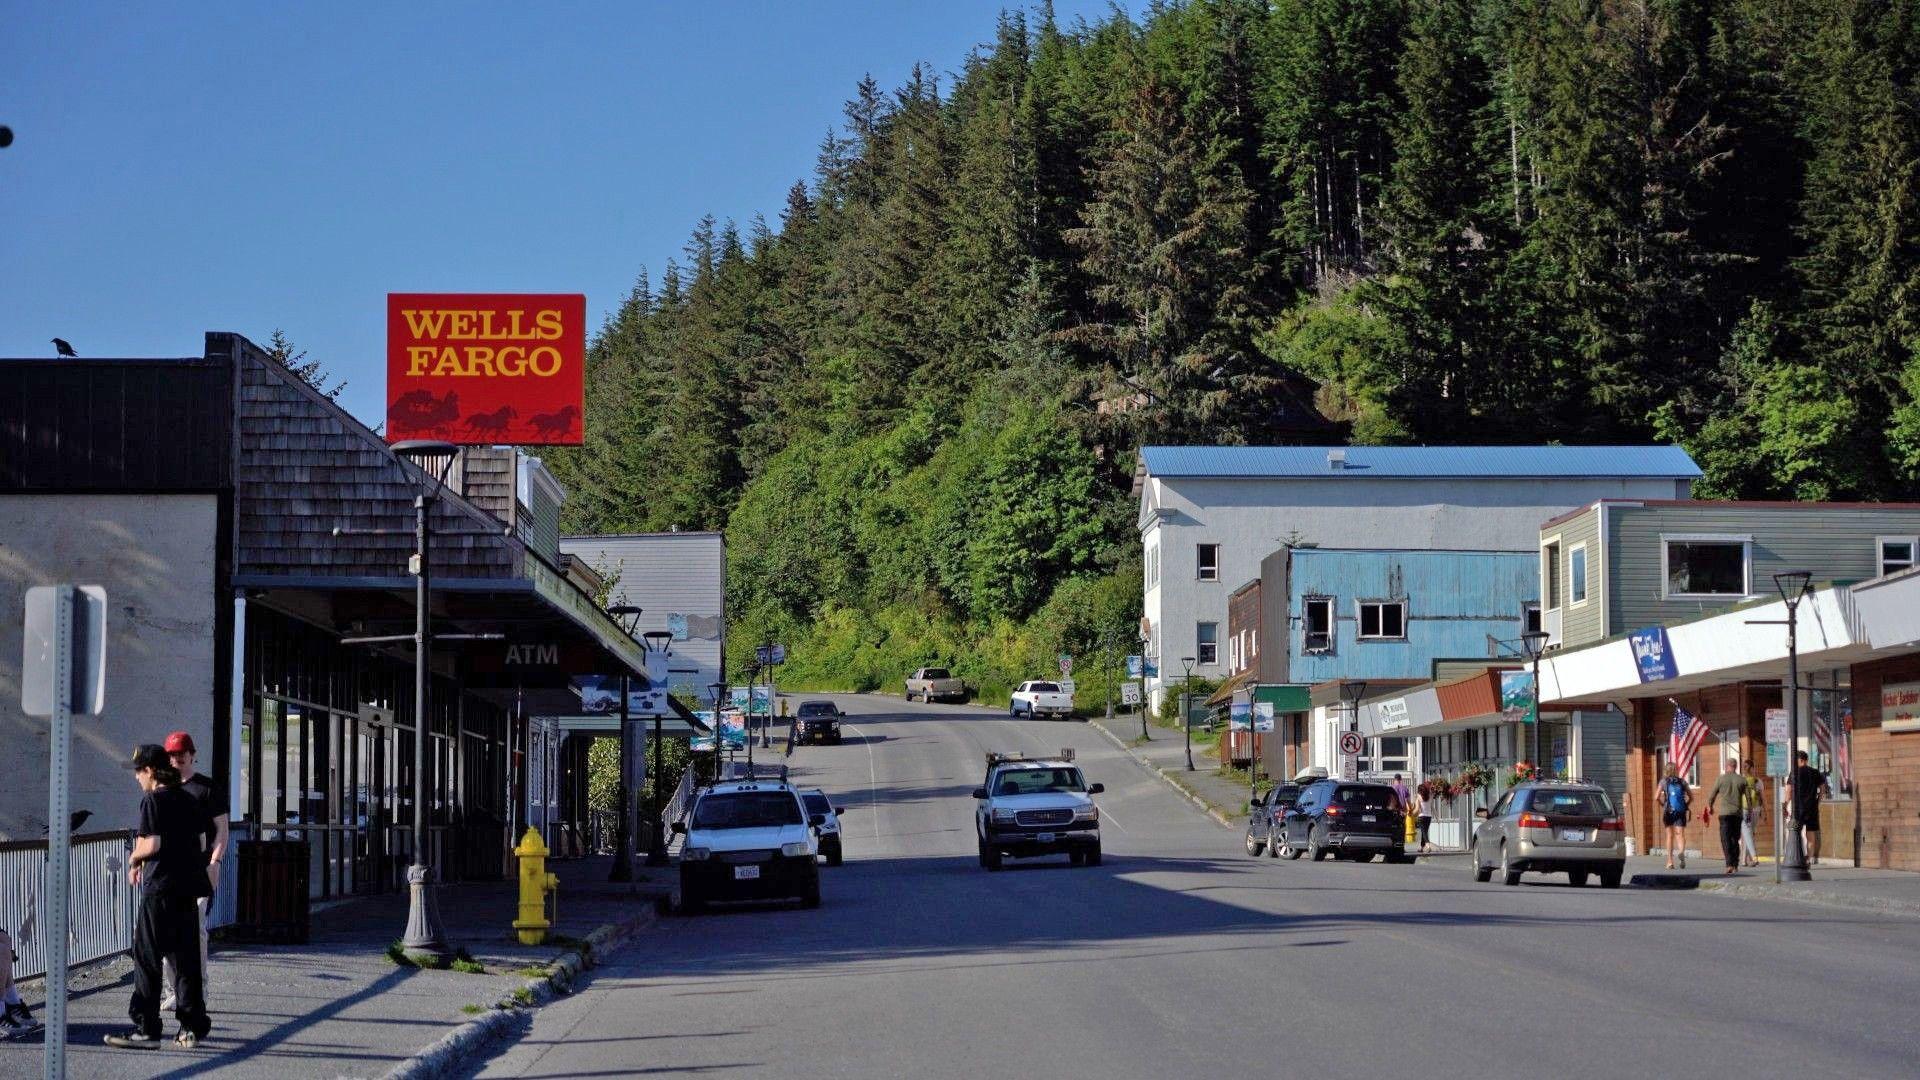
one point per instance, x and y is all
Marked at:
(1182, 957)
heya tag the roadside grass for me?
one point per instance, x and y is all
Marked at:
(473, 1010)
(464, 962)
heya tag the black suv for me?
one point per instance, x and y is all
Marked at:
(817, 722)
(1266, 816)
(1355, 820)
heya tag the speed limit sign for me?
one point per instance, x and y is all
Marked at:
(1351, 742)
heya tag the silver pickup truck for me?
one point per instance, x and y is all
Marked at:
(935, 684)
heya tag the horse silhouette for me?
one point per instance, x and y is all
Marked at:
(417, 409)
(554, 424)
(492, 424)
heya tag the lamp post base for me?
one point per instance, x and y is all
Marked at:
(425, 943)
(1793, 858)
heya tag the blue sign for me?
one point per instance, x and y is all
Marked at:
(1133, 667)
(677, 625)
(1240, 716)
(770, 654)
(1653, 654)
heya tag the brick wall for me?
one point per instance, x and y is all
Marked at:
(1886, 771)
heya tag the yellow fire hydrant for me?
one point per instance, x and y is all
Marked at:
(535, 884)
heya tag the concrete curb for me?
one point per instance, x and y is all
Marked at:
(1884, 905)
(453, 1049)
(1219, 816)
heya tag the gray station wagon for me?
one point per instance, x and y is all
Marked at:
(1551, 826)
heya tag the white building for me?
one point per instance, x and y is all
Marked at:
(679, 582)
(1209, 514)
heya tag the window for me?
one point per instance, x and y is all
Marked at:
(1153, 566)
(1705, 566)
(1577, 573)
(1317, 620)
(1550, 573)
(1206, 637)
(1530, 618)
(1897, 553)
(1233, 662)
(1207, 562)
(1383, 619)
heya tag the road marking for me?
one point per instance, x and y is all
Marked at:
(1106, 815)
(873, 780)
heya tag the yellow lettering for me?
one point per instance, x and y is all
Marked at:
(514, 329)
(550, 323)
(461, 324)
(449, 362)
(517, 357)
(425, 324)
(533, 360)
(478, 357)
(417, 357)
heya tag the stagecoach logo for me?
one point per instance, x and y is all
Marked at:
(486, 368)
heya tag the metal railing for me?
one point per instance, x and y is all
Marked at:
(100, 902)
(676, 809)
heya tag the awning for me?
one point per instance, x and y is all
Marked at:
(1394, 715)
(1284, 697)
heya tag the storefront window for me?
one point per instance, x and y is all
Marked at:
(270, 761)
(1832, 750)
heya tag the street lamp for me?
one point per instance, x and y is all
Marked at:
(1534, 642)
(657, 641)
(628, 615)
(1792, 863)
(1186, 707)
(425, 942)
(718, 689)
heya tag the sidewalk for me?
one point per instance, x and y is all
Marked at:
(1224, 800)
(337, 1006)
(1892, 891)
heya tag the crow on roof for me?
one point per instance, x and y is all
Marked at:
(61, 348)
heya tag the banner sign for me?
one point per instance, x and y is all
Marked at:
(1653, 654)
(1240, 716)
(1263, 716)
(601, 694)
(1900, 707)
(1516, 697)
(486, 369)
(1133, 667)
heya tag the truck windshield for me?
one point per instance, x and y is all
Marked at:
(1044, 687)
(816, 708)
(817, 804)
(746, 810)
(1036, 781)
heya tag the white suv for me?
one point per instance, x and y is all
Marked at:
(1036, 806)
(749, 840)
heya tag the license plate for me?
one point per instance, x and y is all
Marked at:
(1045, 838)
(1368, 817)
(1578, 835)
(745, 873)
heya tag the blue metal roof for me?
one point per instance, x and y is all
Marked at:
(1418, 461)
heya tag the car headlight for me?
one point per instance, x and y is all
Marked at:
(1003, 817)
(795, 849)
(695, 854)
(1086, 813)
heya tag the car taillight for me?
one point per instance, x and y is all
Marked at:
(1334, 811)
(1612, 824)
(1534, 821)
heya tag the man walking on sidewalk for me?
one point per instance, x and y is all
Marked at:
(170, 869)
(1804, 790)
(213, 803)
(1728, 799)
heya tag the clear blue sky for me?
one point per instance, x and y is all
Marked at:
(179, 168)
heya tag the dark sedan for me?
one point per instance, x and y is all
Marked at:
(817, 722)
(1357, 821)
(1266, 817)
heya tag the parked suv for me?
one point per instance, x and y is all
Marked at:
(1551, 826)
(817, 805)
(1266, 817)
(817, 722)
(1354, 820)
(749, 840)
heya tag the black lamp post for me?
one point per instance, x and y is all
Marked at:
(1145, 640)
(1186, 706)
(1534, 643)
(657, 641)
(719, 690)
(425, 942)
(628, 615)
(1792, 864)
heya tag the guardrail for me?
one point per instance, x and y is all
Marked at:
(99, 906)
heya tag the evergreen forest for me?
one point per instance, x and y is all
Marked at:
(912, 402)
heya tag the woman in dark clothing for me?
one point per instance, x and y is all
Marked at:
(169, 868)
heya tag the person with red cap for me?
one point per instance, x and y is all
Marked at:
(213, 802)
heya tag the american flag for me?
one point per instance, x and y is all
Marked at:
(1684, 742)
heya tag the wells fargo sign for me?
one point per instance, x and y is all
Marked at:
(486, 368)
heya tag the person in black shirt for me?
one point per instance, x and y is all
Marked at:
(169, 867)
(1804, 790)
(213, 801)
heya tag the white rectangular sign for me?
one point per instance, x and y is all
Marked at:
(88, 685)
(1778, 729)
(1129, 693)
(1900, 707)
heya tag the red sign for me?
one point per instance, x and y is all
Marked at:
(486, 368)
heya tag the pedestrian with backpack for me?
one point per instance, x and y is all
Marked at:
(1676, 800)
(1753, 805)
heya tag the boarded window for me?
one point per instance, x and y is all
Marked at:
(1318, 621)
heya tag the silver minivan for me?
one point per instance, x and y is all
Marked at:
(1551, 826)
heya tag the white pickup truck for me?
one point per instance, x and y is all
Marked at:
(1036, 806)
(1037, 699)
